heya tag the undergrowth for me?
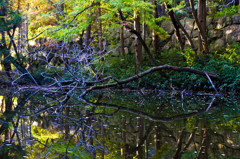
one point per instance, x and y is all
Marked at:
(224, 61)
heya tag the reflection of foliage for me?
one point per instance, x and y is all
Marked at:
(112, 156)
(162, 152)
(189, 155)
(43, 135)
(13, 152)
(228, 11)
(55, 146)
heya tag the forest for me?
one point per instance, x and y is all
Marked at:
(80, 44)
(119, 79)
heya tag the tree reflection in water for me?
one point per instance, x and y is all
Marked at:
(118, 125)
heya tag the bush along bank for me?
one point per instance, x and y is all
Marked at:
(224, 61)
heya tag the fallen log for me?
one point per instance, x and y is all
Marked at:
(142, 74)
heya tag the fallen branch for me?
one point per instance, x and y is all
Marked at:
(211, 82)
(142, 74)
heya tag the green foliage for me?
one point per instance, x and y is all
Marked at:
(43, 135)
(113, 156)
(224, 61)
(228, 11)
(189, 155)
(189, 55)
(56, 149)
(162, 152)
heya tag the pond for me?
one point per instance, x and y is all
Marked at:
(115, 124)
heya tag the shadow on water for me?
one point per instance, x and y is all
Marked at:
(118, 125)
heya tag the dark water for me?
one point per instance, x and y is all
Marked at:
(115, 125)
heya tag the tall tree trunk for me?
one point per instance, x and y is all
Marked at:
(146, 141)
(88, 34)
(144, 27)
(100, 28)
(239, 7)
(163, 9)
(19, 30)
(154, 35)
(176, 27)
(201, 22)
(3, 51)
(123, 147)
(157, 138)
(138, 45)
(122, 41)
(202, 153)
(6, 50)
(102, 135)
(129, 29)
(176, 23)
(139, 137)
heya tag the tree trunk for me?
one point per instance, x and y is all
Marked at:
(176, 28)
(154, 35)
(146, 141)
(122, 41)
(102, 135)
(239, 7)
(3, 50)
(100, 28)
(123, 147)
(157, 138)
(139, 137)
(136, 33)
(138, 45)
(88, 35)
(202, 153)
(163, 9)
(144, 26)
(177, 25)
(201, 22)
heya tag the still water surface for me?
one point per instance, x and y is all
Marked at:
(116, 125)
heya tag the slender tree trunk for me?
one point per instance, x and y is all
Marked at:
(88, 34)
(3, 51)
(100, 28)
(146, 141)
(200, 135)
(177, 25)
(157, 138)
(163, 9)
(201, 22)
(154, 35)
(102, 135)
(19, 30)
(239, 7)
(144, 27)
(200, 17)
(202, 153)
(122, 41)
(179, 144)
(176, 28)
(138, 44)
(139, 137)
(142, 42)
(123, 147)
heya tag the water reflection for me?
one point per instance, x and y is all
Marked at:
(118, 125)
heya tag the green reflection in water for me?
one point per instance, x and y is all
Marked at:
(119, 125)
